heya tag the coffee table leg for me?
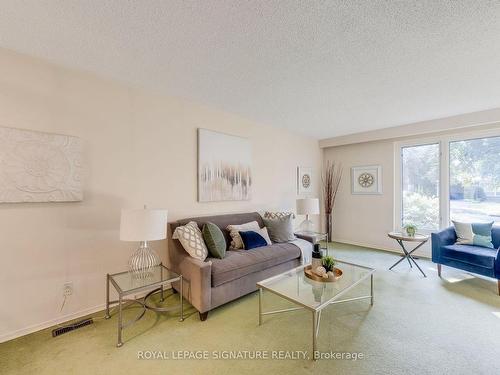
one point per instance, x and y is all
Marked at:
(314, 332)
(260, 306)
(119, 343)
(371, 289)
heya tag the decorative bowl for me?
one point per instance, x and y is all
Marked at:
(311, 275)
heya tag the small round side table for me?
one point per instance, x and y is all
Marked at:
(400, 239)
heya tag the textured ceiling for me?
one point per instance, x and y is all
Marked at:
(322, 68)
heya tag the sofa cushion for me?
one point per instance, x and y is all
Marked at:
(280, 230)
(239, 263)
(475, 234)
(474, 255)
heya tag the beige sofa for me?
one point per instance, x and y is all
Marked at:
(214, 282)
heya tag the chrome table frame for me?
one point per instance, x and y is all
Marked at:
(157, 287)
(316, 312)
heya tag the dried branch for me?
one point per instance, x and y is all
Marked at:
(331, 177)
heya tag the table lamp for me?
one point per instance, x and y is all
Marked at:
(307, 206)
(143, 225)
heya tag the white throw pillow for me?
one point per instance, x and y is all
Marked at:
(191, 239)
(263, 232)
(237, 242)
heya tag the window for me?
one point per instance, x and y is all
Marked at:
(420, 186)
(475, 180)
(448, 178)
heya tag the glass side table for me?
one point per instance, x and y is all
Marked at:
(128, 283)
(314, 238)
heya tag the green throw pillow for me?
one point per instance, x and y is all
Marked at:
(214, 239)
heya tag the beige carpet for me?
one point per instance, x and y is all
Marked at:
(417, 326)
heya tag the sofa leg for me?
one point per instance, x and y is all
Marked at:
(174, 291)
(439, 270)
(203, 316)
(498, 281)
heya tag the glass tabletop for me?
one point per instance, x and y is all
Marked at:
(130, 281)
(294, 285)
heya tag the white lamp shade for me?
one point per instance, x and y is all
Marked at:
(143, 225)
(308, 206)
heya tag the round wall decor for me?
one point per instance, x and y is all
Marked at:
(366, 179)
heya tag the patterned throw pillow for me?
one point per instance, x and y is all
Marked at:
(278, 214)
(280, 230)
(191, 239)
(475, 234)
(234, 230)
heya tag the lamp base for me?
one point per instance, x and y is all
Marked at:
(307, 226)
(143, 261)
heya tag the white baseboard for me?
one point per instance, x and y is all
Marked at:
(38, 327)
(419, 252)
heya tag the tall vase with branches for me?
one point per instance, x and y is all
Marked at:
(331, 177)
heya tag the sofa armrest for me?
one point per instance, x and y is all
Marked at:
(440, 239)
(197, 286)
(197, 275)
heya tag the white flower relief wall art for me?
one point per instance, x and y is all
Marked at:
(39, 167)
(224, 167)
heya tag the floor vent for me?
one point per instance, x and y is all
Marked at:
(71, 327)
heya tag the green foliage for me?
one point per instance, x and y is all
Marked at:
(328, 262)
(476, 161)
(411, 229)
(420, 210)
(421, 169)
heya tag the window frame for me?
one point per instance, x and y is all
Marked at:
(444, 171)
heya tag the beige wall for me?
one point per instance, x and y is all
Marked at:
(364, 219)
(140, 148)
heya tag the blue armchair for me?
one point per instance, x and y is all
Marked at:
(481, 260)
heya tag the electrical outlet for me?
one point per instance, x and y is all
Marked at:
(67, 289)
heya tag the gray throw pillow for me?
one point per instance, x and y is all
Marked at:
(280, 229)
(214, 239)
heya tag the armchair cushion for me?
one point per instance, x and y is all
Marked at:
(475, 234)
(473, 255)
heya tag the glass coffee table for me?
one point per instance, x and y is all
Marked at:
(314, 296)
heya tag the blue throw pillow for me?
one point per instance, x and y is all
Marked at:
(475, 234)
(252, 239)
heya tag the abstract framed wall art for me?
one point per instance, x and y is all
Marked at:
(366, 179)
(39, 167)
(224, 167)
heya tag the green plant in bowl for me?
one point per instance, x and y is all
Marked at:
(328, 262)
(410, 229)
